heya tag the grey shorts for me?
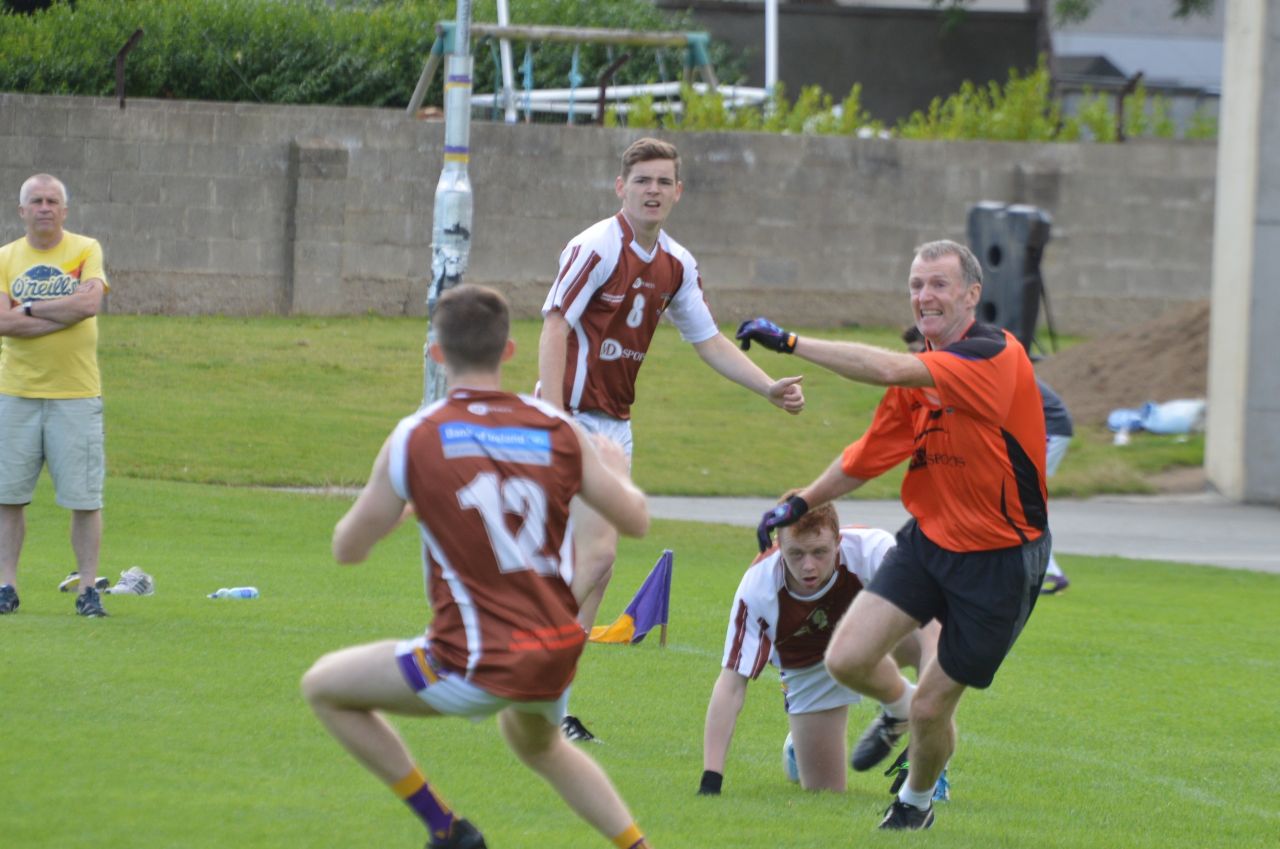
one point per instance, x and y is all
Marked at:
(67, 434)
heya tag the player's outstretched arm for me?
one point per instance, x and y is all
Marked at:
(376, 512)
(607, 487)
(727, 699)
(723, 356)
(852, 360)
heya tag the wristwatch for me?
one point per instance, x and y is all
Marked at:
(26, 308)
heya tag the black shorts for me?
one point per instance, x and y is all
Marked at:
(981, 598)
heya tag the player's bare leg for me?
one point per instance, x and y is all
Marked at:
(916, 649)
(933, 729)
(595, 549)
(347, 688)
(858, 655)
(578, 779)
(819, 739)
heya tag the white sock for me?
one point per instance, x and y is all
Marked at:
(900, 708)
(921, 800)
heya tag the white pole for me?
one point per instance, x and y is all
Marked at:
(770, 44)
(508, 74)
(451, 222)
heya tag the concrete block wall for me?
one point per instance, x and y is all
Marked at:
(259, 209)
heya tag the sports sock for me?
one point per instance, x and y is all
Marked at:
(921, 800)
(429, 807)
(900, 708)
(631, 839)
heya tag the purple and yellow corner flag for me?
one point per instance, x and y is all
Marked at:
(647, 610)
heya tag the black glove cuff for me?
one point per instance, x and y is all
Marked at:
(789, 344)
(711, 782)
(798, 506)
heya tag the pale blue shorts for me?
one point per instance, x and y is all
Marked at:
(67, 434)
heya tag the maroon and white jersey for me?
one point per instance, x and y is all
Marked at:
(613, 293)
(490, 476)
(769, 623)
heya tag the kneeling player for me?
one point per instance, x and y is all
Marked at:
(786, 608)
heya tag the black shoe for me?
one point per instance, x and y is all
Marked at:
(89, 603)
(877, 742)
(903, 817)
(574, 730)
(463, 835)
(8, 599)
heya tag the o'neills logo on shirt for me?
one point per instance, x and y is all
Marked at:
(43, 281)
(611, 349)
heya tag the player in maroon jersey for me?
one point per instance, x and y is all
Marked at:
(489, 476)
(784, 612)
(616, 280)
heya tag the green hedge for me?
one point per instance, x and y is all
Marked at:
(1020, 110)
(298, 51)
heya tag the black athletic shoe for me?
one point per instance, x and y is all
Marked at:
(903, 817)
(463, 835)
(877, 742)
(89, 603)
(573, 729)
(8, 599)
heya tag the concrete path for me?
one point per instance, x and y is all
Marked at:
(1202, 528)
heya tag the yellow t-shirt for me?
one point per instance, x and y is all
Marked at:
(62, 364)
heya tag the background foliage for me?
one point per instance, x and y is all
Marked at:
(305, 51)
(1023, 109)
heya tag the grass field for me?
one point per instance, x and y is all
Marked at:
(1136, 711)
(306, 402)
(1133, 713)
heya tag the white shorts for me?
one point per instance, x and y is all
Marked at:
(618, 430)
(1055, 450)
(452, 694)
(812, 689)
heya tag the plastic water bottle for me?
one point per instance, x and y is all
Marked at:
(235, 592)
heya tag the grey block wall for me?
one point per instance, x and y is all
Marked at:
(259, 209)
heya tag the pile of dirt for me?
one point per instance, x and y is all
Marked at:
(1164, 359)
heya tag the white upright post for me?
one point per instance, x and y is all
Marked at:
(509, 113)
(770, 45)
(451, 223)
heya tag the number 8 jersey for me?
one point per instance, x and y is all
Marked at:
(612, 293)
(490, 476)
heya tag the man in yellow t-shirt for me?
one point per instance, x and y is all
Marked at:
(50, 393)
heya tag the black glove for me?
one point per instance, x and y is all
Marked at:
(784, 514)
(711, 782)
(767, 333)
